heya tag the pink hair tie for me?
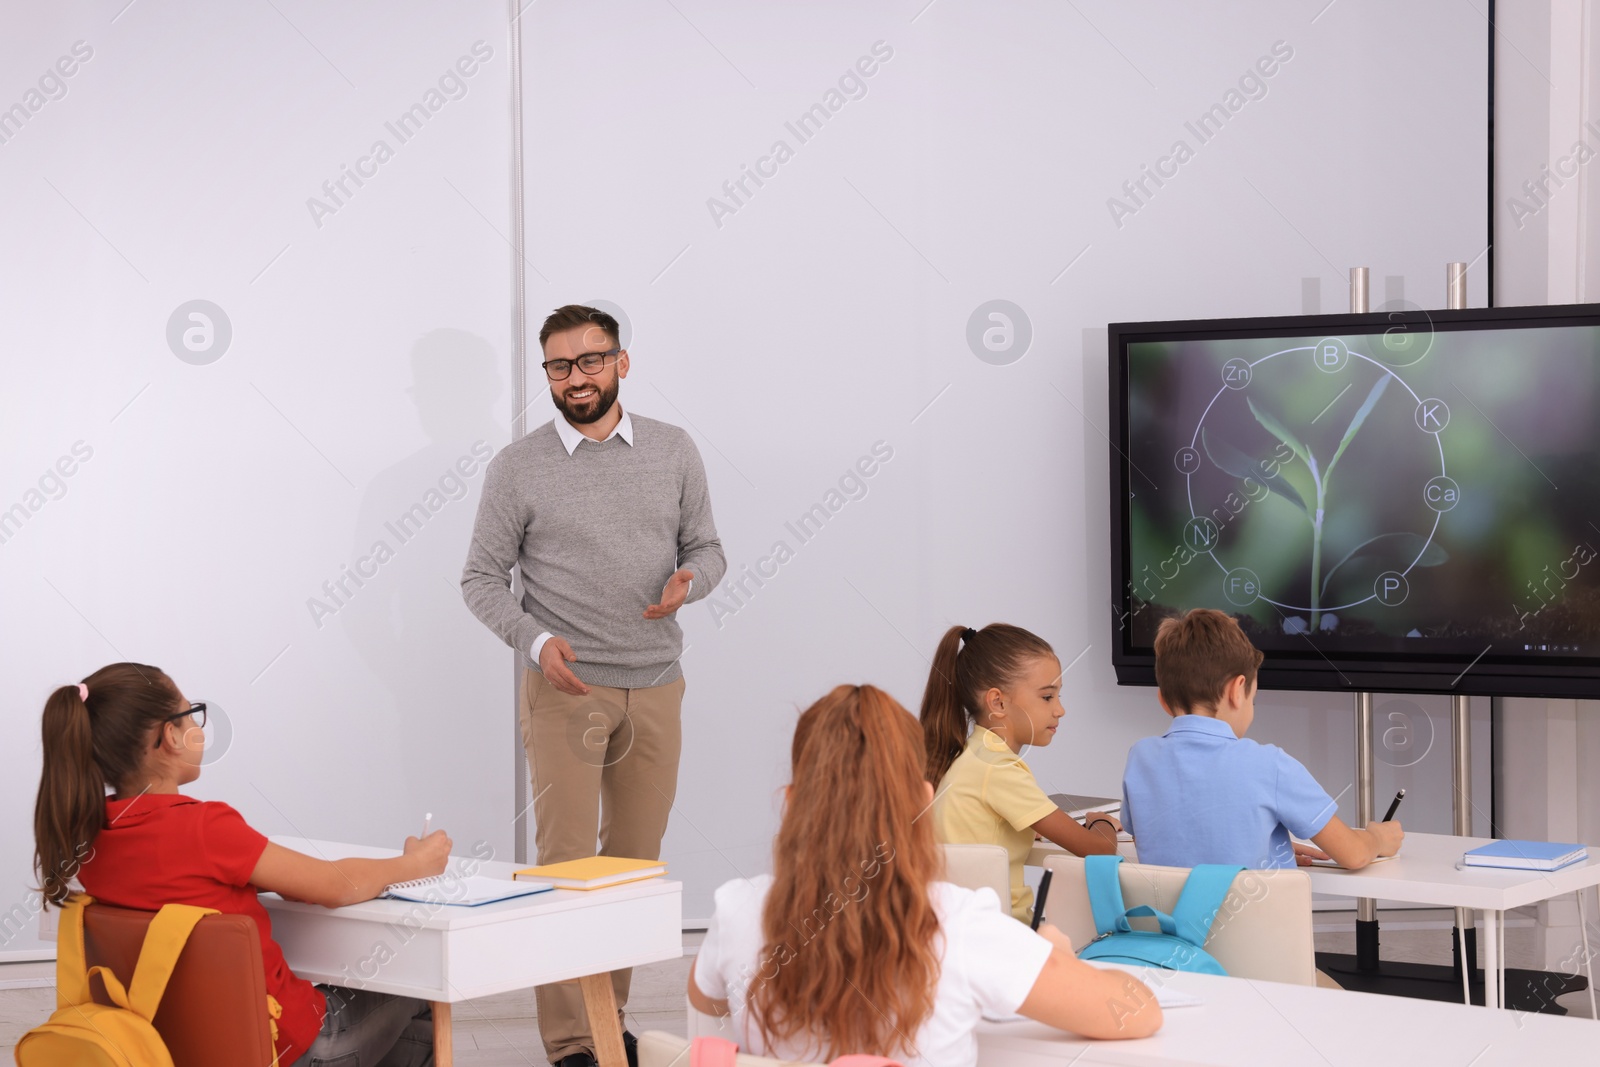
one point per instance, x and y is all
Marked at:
(83, 692)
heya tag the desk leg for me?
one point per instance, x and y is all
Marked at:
(1491, 959)
(1466, 965)
(1588, 960)
(443, 1041)
(600, 1001)
(1501, 916)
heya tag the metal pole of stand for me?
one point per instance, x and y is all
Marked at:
(1461, 820)
(1358, 290)
(1366, 908)
(1455, 286)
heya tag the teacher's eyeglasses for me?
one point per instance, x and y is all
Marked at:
(590, 363)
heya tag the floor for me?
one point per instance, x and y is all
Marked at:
(499, 1031)
(502, 1031)
(1423, 935)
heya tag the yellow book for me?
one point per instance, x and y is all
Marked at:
(596, 872)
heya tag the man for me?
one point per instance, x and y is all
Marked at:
(608, 517)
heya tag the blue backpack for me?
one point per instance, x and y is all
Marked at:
(1178, 946)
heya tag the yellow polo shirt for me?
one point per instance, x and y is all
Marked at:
(990, 797)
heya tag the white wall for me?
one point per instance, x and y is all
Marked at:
(828, 308)
(828, 312)
(368, 354)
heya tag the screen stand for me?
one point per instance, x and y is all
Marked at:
(1366, 907)
(1366, 971)
(1466, 932)
(1461, 817)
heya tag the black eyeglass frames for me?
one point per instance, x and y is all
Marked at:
(590, 363)
(197, 710)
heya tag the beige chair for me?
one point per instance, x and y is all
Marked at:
(1263, 929)
(660, 1049)
(702, 1025)
(977, 867)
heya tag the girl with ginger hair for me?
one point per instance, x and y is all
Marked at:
(854, 944)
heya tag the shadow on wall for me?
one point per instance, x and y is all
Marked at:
(399, 597)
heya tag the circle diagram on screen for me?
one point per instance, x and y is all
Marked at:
(1316, 482)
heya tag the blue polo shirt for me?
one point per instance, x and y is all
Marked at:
(1198, 794)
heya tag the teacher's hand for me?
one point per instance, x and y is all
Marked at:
(672, 595)
(553, 660)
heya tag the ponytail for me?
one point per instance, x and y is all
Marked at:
(72, 791)
(967, 664)
(944, 723)
(94, 737)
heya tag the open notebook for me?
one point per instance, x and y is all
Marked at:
(463, 890)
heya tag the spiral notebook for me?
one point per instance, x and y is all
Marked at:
(462, 890)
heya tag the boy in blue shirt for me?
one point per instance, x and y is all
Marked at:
(1202, 793)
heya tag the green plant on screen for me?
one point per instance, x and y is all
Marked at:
(1398, 544)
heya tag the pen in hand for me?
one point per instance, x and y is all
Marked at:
(1394, 807)
(1038, 901)
(427, 820)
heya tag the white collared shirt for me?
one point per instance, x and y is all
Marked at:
(572, 437)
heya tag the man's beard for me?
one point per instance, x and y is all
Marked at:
(588, 411)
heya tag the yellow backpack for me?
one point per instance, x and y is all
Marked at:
(82, 1033)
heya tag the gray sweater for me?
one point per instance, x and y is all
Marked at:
(596, 535)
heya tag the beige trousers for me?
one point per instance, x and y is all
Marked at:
(605, 772)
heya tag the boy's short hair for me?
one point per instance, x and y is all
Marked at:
(1198, 654)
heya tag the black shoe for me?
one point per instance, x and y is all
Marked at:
(630, 1045)
(577, 1059)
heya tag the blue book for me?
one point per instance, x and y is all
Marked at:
(1526, 855)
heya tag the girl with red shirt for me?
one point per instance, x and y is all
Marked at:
(127, 728)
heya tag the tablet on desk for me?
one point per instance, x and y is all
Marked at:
(1078, 805)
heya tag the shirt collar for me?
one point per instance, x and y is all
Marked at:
(984, 738)
(1200, 724)
(990, 747)
(141, 803)
(572, 437)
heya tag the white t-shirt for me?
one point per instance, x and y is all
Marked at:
(988, 964)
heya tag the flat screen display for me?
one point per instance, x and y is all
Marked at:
(1401, 502)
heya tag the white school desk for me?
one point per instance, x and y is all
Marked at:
(445, 953)
(1424, 872)
(1246, 1023)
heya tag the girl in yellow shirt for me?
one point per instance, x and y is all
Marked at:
(990, 693)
